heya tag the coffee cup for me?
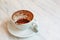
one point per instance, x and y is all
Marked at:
(23, 19)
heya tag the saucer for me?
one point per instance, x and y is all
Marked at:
(20, 33)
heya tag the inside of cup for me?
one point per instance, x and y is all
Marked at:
(22, 16)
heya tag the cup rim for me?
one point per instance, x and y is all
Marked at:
(24, 23)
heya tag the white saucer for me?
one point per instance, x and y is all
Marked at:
(19, 33)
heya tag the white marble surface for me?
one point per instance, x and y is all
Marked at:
(47, 13)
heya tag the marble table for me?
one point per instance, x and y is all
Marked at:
(47, 15)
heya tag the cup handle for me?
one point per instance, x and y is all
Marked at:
(35, 27)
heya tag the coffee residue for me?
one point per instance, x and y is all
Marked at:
(22, 21)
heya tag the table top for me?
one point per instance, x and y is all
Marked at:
(47, 14)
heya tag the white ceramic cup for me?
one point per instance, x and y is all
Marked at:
(26, 25)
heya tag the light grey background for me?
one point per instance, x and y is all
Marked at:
(47, 14)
